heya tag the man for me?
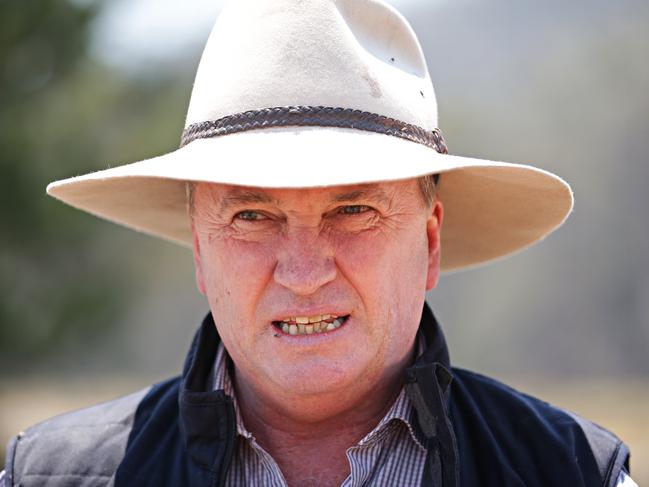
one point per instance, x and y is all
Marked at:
(320, 202)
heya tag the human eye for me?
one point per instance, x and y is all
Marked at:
(250, 216)
(354, 209)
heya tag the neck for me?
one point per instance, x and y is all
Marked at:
(295, 429)
(314, 418)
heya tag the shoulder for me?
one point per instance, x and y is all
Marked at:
(82, 446)
(523, 430)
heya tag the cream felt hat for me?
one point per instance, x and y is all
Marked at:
(304, 93)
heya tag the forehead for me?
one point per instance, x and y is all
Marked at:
(223, 197)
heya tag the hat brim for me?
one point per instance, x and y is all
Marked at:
(491, 208)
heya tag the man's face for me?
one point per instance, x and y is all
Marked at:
(269, 259)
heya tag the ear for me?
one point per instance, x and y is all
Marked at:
(198, 263)
(433, 230)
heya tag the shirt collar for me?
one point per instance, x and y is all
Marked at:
(223, 381)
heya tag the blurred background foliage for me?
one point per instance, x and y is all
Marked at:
(63, 113)
(89, 310)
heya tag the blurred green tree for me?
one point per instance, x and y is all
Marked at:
(62, 113)
(45, 301)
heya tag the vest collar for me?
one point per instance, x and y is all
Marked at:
(431, 367)
(206, 417)
(428, 383)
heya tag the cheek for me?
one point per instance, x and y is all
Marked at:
(236, 274)
(390, 280)
(380, 261)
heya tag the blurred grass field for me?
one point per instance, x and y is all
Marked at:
(620, 406)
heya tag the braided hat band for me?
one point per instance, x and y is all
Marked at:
(318, 116)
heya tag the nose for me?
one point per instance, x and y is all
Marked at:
(305, 263)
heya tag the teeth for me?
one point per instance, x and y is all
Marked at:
(305, 320)
(298, 325)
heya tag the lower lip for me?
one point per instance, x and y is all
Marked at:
(313, 336)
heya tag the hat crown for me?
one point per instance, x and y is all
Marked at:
(359, 54)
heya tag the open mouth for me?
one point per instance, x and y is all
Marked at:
(309, 325)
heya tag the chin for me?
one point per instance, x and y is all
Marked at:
(320, 376)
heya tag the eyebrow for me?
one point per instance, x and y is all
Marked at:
(374, 194)
(237, 198)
